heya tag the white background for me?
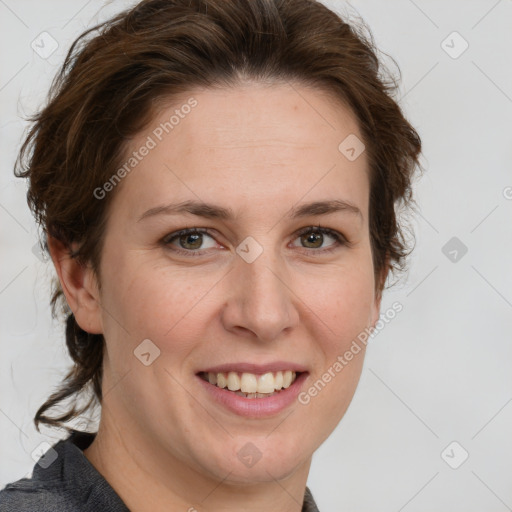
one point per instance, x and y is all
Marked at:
(441, 371)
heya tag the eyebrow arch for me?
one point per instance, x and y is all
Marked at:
(211, 211)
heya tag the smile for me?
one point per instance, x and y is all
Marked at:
(251, 385)
(252, 395)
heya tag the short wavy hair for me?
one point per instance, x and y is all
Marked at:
(108, 88)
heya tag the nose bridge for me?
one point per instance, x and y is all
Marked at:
(262, 301)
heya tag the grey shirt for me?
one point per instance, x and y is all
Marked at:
(63, 480)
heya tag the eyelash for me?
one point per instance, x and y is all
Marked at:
(340, 240)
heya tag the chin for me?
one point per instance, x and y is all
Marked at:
(252, 459)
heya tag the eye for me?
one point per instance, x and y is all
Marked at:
(314, 237)
(188, 241)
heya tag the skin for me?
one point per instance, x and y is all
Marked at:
(259, 150)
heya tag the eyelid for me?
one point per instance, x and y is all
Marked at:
(187, 231)
(324, 230)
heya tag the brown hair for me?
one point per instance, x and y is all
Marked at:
(106, 91)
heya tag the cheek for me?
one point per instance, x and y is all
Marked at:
(156, 303)
(343, 301)
(343, 315)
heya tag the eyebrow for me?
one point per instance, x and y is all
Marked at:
(212, 211)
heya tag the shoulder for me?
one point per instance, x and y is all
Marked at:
(27, 495)
(309, 504)
(62, 480)
(49, 488)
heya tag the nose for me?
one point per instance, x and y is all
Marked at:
(260, 300)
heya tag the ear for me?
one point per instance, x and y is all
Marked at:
(79, 285)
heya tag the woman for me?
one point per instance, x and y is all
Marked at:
(217, 184)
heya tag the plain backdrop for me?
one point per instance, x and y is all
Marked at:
(429, 427)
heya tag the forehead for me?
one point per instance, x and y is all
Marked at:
(265, 143)
(258, 115)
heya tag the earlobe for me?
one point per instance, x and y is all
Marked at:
(79, 285)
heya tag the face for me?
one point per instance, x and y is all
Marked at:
(258, 288)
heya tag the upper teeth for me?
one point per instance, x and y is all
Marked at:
(251, 383)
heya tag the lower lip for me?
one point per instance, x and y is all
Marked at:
(255, 407)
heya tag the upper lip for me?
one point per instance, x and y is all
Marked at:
(273, 366)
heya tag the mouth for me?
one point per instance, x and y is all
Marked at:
(253, 391)
(252, 385)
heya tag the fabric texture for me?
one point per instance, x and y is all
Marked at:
(63, 480)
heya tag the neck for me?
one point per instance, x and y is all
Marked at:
(150, 479)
